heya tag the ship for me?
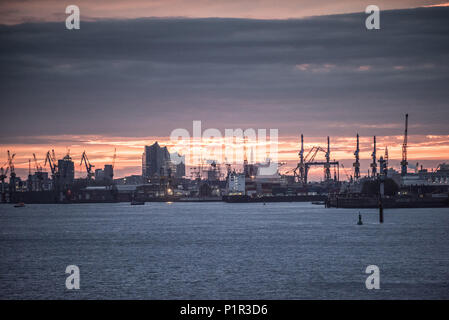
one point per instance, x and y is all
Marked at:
(278, 198)
(403, 201)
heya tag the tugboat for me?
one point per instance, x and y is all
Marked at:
(19, 205)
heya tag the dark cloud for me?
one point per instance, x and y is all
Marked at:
(321, 75)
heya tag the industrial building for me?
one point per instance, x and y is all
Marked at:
(66, 172)
(105, 175)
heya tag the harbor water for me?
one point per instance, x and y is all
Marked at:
(222, 251)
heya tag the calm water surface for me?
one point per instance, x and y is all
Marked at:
(221, 251)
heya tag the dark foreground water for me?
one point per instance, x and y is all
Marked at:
(221, 251)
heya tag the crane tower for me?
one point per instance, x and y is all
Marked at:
(357, 161)
(404, 162)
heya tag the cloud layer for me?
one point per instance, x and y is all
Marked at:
(324, 75)
(145, 77)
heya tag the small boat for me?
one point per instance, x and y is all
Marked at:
(19, 205)
(137, 203)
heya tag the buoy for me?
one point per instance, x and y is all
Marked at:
(360, 220)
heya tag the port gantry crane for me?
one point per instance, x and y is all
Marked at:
(357, 161)
(385, 171)
(404, 162)
(50, 158)
(12, 173)
(327, 167)
(302, 169)
(88, 165)
(3, 176)
(299, 171)
(373, 164)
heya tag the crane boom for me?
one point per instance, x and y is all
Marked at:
(49, 159)
(87, 164)
(36, 164)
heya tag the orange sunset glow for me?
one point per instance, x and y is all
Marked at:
(430, 149)
(51, 10)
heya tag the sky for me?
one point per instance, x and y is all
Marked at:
(135, 72)
(18, 11)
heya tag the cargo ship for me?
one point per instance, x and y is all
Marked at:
(362, 202)
(280, 198)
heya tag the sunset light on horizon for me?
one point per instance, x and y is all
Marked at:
(428, 150)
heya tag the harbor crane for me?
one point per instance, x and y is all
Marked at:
(12, 173)
(326, 164)
(36, 164)
(404, 162)
(357, 161)
(3, 176)
(299, 171)
(373, 164)
(88, 165)
(309, 160)
(312, 153)
(327, 171)
(50, 158)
